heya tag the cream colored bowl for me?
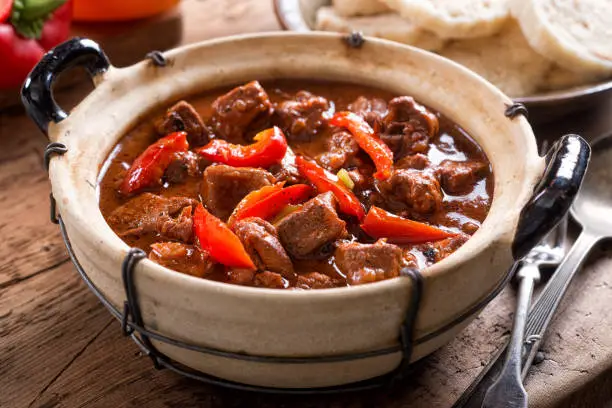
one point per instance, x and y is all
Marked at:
(267, 322)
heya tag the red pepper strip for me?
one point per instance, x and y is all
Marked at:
(363, 133)
(324, 182)
(218, 240)
(149, 167)
(270, 205)
(269, 148)
(252, 198)
(382, 224)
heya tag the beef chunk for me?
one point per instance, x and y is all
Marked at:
(470, 227)
(443, 248)
(183, 117)
(260, 239)
(363, 263)
(407, 127)
(286, 170)
(271, 280)
(341, 147)
(235, 111)
(362, 181)
(180, 228)
(185, 164)
(418, 190)
(224, 186)
(314, 280)
(183, 258)
(304, 116)
(241, 276)
(150, 213)
(460, 177)
(409, 259)
(372, 110)
(309, 228)
(414, 161)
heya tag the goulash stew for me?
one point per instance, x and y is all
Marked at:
(296, 184)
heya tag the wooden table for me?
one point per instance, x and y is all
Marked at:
(60, 348)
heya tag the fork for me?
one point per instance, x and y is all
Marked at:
(508, 390)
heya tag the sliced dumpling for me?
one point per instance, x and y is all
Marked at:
(349, 8)
(388, 25)
(506, 60)
(455, 18)
(561, 78)
(577, 35)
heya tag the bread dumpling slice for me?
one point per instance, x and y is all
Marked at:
(388, 25)
(455, 18)
(350, 8)
(576, 34)
(558, 78)
(505, 59)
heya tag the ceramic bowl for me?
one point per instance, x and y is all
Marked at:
(300, 15)
(529, 197)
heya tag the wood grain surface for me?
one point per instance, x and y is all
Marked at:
(60, 348)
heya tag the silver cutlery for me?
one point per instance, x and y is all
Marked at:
(508, 388)
(592, 209)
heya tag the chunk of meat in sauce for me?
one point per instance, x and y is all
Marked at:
(224, 186)
(150, 213)
(340, 148)
(186, 164)
(363, 263)
(241, 276)
(286, 170)
(438, 250)
(409, 259)
(475, 208)
(308, 229)
(260, 239)
(407, 127)
(183, 258)
(315, 280)
(272, 280)
(183, 117)
(415, 161)
(237, 110)
(180, 228)
(417, 189)
(304, 116)
(372, 110)
(460, 177)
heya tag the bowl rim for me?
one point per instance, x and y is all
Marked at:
(167, 275)
(289, 16)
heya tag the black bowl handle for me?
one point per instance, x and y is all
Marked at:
(566, 164)
(37, 95)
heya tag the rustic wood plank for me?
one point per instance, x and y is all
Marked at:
(31, 244)
(44, 323)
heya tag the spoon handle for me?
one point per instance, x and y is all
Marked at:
(508, 390)
(544, 308)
